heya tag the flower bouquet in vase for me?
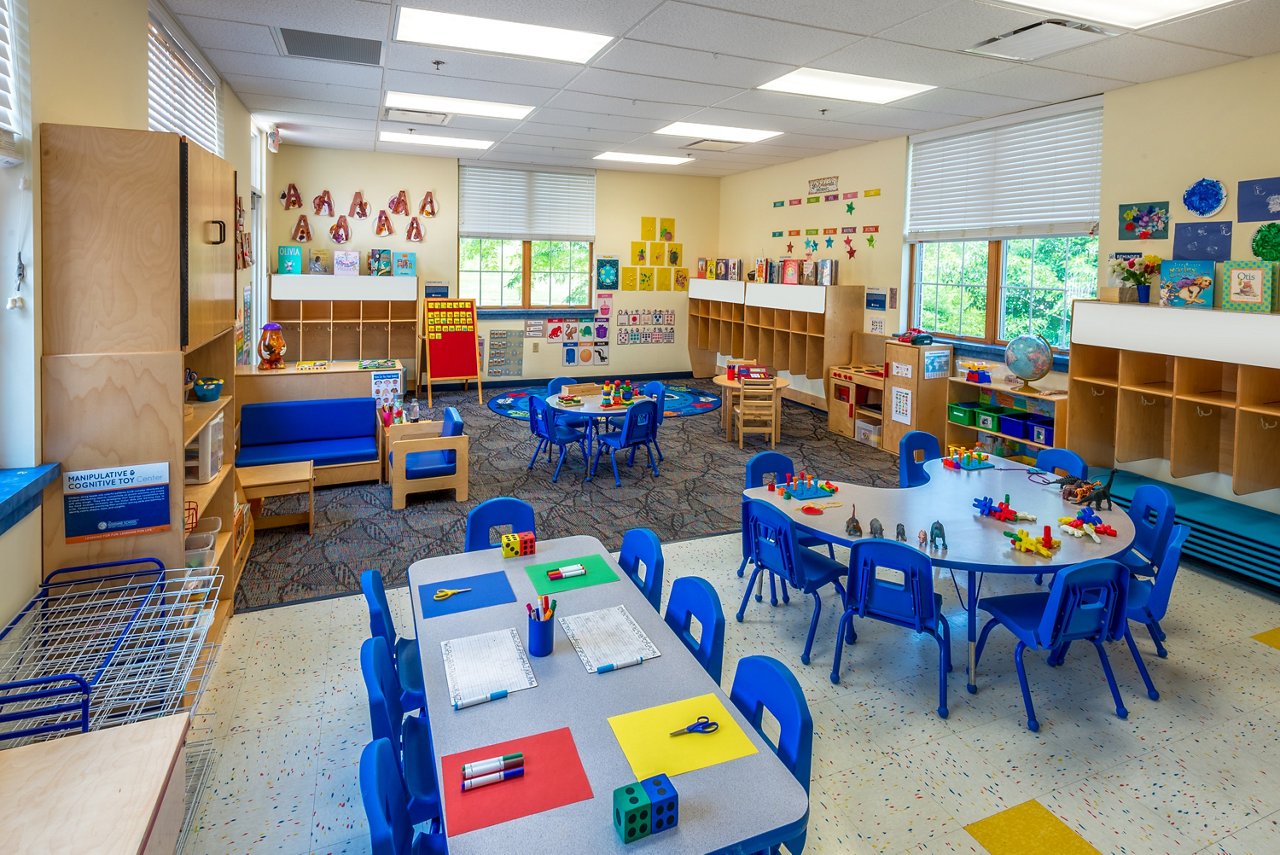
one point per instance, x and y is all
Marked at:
(1135, 273)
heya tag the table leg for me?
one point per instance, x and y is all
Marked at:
(971, 604)
(727, 414)
(311, 505)
(777, 417)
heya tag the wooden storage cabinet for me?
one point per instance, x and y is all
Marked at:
(997, 392)
(322, 319)
(928, 409)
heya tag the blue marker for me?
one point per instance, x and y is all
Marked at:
(496, 777)
(480, 699)
(614, 666)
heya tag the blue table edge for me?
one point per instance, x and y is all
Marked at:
(21, 491)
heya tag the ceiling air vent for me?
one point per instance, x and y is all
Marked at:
(1040, 40)
(331, 47)
(712, 145)
(417, 117)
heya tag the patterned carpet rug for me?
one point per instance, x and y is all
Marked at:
(680, 401)
(696, 495)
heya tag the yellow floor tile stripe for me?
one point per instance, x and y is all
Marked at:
(1271, 637)
(1028, 828)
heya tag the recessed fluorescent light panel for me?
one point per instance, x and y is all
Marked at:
(1133, 14)
(656, 159)
(494, 36)
(458, 106)
(845, 87)
(425, 139)
(716, 132)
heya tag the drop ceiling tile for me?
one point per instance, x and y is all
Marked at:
(718, 31)
(288, 119)
(272, 103)
(972, 104)
(295, 68)
(1136, 59)
(881, 58)
(554, 143)
(478, 66)
(640, 57)
(783, 104)
(874, 133)
(429, 83)
(1052, 86)
(473, 125)
(610, 18)
(864, 17)
(576, 132)
(916, 120)
(620, 84)
(358, 18)
(960, 24)
(328, 137)
(637, 108)
(1249, 29)
(589, 122)
(212, 34)
(245, 85)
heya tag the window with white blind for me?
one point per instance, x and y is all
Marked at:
(525, 237)
(8, 88)
(1002, 219)
(181, 97)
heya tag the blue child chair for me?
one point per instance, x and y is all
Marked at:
(1086, 602)
(915, 449)
(774, 549)
(502, 511)
(422, 463)
(410, 737)
(657, 390)
(1149, 598)
(693, 597)
(641, 549)
(639, 428)
(1060, 460)
(405, 650)
(909, 603)
(554, 387)
(546, 424)
(1152, 513)
(386, 805)
(763, 683)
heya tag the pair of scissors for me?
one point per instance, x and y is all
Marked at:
(702, 725)
(446, 593)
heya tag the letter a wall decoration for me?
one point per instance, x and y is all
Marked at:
(428, 206)
(302, 230)
(291, 198)
(340, 231)
(359, 207)
(413, 231)
(399, 203)
(323, 204)
(383, 226)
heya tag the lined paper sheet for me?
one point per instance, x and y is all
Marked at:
(607, 636)
(480, 664)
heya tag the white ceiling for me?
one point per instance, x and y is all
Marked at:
(698, 61)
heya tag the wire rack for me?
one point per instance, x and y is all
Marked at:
(200, 755)
(94, 649)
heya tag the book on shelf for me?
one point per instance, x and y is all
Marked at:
(808, 272)
(775, 272)
(735, 270)
(702, 268)
(313, 364)
(722, 268)
(289, 259)
(319, 260)
(828, 271)
(379, 262)
(762, 270)
(1187, 283)
(406, 264)
(377, 364)
(790, 271)
(346, 262)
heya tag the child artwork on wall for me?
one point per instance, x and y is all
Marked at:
(681, 279)
(630, 279)
(648, 228)
(413, 231)
(1258, 200)
(646, 279)
(428, 206)
(322, 205)
(340, 232)
(383, 227)
(1144, 220)
(1211, 241)
(359, 207)
(290, 197)
(302, 230)
(667, 229)
(675, 254)
(662, 279)
(639, 253)
(399, 203)
(657, 253)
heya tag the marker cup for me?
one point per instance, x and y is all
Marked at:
(541, 639)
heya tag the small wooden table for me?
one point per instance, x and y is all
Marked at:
(732, 387)
(280, 479)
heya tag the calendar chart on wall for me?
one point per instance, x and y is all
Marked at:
(449, 341)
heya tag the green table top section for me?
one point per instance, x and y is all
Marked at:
(598, 573)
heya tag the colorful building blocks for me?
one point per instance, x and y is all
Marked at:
(968, 459)
(519, 544)
(1023, 541)
(644, 808)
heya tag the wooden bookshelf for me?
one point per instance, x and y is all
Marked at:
(1048, 400)
(339, 318)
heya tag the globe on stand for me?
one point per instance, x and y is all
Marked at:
(1030, 358)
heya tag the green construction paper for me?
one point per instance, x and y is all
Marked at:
(598, 573)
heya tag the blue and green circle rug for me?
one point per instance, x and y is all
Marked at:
(681, 401)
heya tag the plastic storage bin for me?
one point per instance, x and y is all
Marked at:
(988, 417)
(204, 454)
(962, 412)
(867, 433)
(1014, 424)
(1040, 429)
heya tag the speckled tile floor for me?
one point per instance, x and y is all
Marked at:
(1193, 772)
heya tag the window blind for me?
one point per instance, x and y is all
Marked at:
(1036, 177)
(526, 205)
(180, 97)
(8, 92)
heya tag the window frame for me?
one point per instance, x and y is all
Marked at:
(526, 275)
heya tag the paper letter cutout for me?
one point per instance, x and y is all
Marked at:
(399, 203)
(428, 206)
(340, 231)
(383, 227)
(323, 204)
(302, 230)
(291, 198)
(413, 231)
(359, 207)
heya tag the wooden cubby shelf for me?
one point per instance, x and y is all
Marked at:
(338, 318)
(1043, 402)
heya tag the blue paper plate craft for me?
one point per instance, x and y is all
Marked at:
(1205, 197)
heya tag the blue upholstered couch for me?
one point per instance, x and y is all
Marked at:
(339, 435)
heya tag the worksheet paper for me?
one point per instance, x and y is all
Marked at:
(607, 636)
(489, 662)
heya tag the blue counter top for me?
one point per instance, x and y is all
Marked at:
(21, 490)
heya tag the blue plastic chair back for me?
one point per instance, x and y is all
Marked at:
(386, 715)
(910, 470)
(657, 390)
(452, 427)
(503, 510)
(1086, 601)
(641, 423)
(386, 804)
(764, 463)
(763, 683)
(375, 597)
(642, 548)
(554, 386)
(773, 541)
(694, 597)
(909, 603)
(1055, 460)
(541, 418)
(1162, 587)
(1152, 513)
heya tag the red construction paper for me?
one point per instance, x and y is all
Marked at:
(553, 777)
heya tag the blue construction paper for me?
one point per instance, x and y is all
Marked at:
(1202, 241)
(487, 589)
(1258, 199)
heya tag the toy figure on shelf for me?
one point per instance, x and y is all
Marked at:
(271, 347)
(902, 533)
(937, 533)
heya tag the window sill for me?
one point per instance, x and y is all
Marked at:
(533, 314)
(21, 491)
(994, 352)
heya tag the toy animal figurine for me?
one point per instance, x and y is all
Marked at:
(937, 533)
(902, 533)
(877, 529)
(1101, 494)
(852, 527)
(1082, 491)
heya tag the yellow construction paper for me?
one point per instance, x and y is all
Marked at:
(648, 228)
(629, 279)
(645, 737)
(675, 254)
(1028, 827)
(639, 252)
(663, 278)
(682, 279)
(657, 254)
(667, 229)
(646, 278)
(1271, 638)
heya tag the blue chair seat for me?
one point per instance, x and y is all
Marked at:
(426, 464)
(818, 569)
(1137, 565)
(322, 452)
(409, 666)
(1020, 613)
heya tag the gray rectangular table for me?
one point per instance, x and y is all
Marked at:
(739, 806)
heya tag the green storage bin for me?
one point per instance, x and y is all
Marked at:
(962, 412)
(988, 417)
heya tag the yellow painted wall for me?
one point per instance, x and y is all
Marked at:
(1143, 161)
(748, 218)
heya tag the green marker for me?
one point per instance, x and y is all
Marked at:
(492, 765)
